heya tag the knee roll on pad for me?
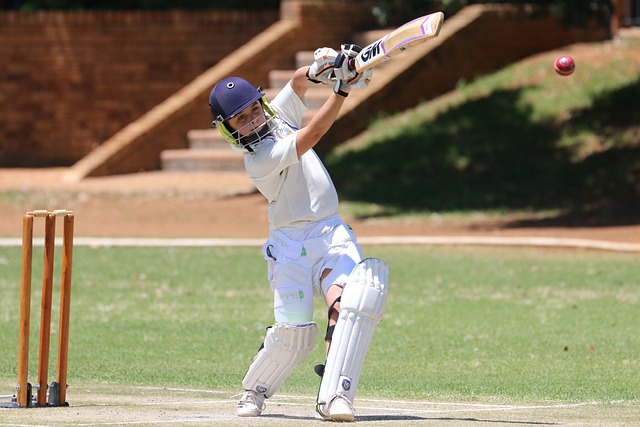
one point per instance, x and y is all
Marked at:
(285, 346)
(363, 302)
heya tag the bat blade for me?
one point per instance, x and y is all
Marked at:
(410, 34)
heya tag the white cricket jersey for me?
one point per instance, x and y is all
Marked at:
(299, 191)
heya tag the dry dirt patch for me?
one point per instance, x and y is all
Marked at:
(159, 204)
(101, 405)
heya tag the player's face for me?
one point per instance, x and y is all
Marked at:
(249, 120)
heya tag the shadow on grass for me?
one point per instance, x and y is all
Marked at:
(488, 154)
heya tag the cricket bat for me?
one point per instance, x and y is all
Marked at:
(410, 34)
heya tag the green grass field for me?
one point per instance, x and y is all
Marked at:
(512, 325)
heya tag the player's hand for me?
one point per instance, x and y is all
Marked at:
(341, 67)
(342, 88)
(348, 78)
(321, 70)
(361, 80)
(351, 50)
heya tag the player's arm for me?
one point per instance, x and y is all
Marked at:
(325, 69)
(319, 72)
(300, 83)
(310, 135)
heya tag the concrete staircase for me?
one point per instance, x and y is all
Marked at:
(209, 151)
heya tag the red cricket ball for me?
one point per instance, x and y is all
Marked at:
(564, 65)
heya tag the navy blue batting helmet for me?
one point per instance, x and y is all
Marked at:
(230, 96)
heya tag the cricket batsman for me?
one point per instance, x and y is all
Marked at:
(310, 251)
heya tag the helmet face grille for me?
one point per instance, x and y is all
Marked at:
(255, 134)
(230, 96)
(252, 141)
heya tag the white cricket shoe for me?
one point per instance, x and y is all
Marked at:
(251, 404)
(339, 408)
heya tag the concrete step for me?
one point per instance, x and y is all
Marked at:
(279, 78)
(304, 58)
(206, 139)
(201, 160)
(209, 151)
(317, 95)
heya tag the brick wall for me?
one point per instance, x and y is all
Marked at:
(72, 82)
(304, 25)
(69, 81)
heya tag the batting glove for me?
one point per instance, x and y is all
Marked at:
(350, 49)
(341, 67)
(342, 88)
(361, 80)
(321, 70)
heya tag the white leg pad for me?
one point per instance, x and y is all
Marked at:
(285, 346)
(362, 304)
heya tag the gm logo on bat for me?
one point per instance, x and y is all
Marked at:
(371, 51)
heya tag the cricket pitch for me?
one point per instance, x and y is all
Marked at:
(109, 405)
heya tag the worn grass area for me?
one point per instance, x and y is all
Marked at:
(461, 325)
(94, 404)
